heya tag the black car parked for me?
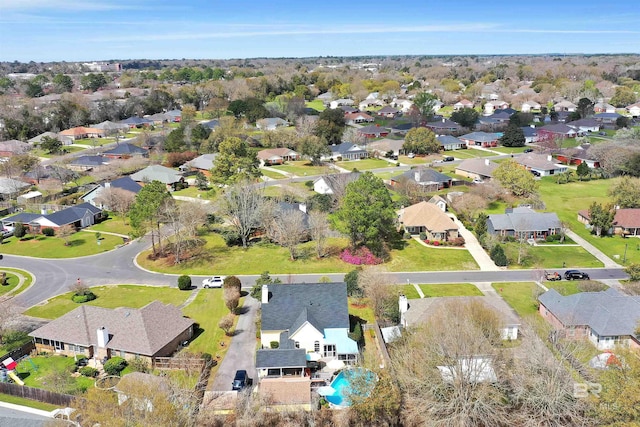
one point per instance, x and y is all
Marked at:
(241, 380)
(575, 274)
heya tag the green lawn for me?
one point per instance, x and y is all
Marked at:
(47, 365)
(84, 180)
(271, 174)
(556, 256)
(110, 297)
(195, 193)
(450, 290)
(470, 152)
(316, 104)
(521, 296)
(366, 164)
(27, 402)
(302, 168)
(270, 257)
(417, 160)
(40, 246)
(11, 282)
(12, 279)
(207, 310)
(510, 150)
(387, 175)
(359, 307)
(113, 224)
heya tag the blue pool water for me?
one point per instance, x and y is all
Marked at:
(342, 386)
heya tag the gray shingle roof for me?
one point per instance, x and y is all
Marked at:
(346, 147)
(609, 313)
(539, 162)
(478, 166)
(89, 161)
(448, 140)
(157, 173)
(480, 136)
(126, 183)
(204, 162)
(525, 219)
(10, 185)
(281, 358)
(72, 214)
(326, 303)
(126, 149)
(143, 331)
(423, 175)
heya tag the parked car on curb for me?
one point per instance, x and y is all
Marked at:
(448, 159)
(552, 276)
(241, 380)
(213, 282)
(528, 150)
(411, 155)
(575, 274)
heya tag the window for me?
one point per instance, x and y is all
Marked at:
(58, 345)
(316, 346)
(297, 343)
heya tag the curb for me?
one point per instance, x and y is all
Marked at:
(27, 409)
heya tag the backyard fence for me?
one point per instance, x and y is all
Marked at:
(19, 352)
(178, 363)
(58, 399)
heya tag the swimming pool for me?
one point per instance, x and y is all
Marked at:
(343, 388)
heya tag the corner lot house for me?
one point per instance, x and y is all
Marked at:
(428, 218)
(606, 319)
(524, 223)
(154, 330)
(626, 221)
(124, 183)
(80, 216)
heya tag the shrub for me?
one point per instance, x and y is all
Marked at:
(178, 159)
(274, 344)
(406, 235)
(88, 371)
(553, 238)
(80, 360)
(361, 256)
(423, 235)
(231, 238)
(139, 365)
(309, 184)
(436, 243)
(427, 241)
(207, 357)
(84, 297)
(19, 231)
(498, 256)
(232, 282)
(12, 340)
(184, 282)
(48, 231)
(72, 369)
(115, 365)
(457, 241)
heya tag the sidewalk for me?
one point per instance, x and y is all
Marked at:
(475, 249)
(608, 262)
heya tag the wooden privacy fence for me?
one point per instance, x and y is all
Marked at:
(20, 351)
(58, 399)
(178, 363)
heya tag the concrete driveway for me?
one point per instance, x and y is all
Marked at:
(241, 353)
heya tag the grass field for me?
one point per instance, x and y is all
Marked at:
(269, 257)
(27, 402)
(440, 290)
(40, 246)
(521, 296)
(471, 152)
(271, 174)
(360, 307)
(365, 164)
(510, 150)
(302, 168)
(416, 161)
(195, 192)
(556, 256)
(316, 104)
(11, 282)
(114, 224)
(110, 297)
(46, 366)
(13, 279)
(387, 175)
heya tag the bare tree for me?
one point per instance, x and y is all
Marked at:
(231, 297)
(374, 282)
(287, 228)
(183, 219)
(318, 230)
(65, 232)
(117, 200)
(242, 203)
(226, 323)
(306, 126)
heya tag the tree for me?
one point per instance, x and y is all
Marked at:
(232, 282)
(145, 212)
(62, 83)
(374, 282)
(287, 228)
(421, 141)
(93, 82)
(366, 213)
(583, 170)
(633, 270)
(425, 102)
(226, 323)
(117, 200)
(313, 147)
(520, 119)
(183, 219)
(481, 226)
(231, 297)
(330, 125)
(465, 117)
(623, 96)
(513, 137)
(65, 232)
(585, 108)
(243, 204)
(498, 256)
(202, 183)
(626, 192)
(234, 162)
(515, 178)
(619, 398)
(264, 279)
(19, 230)
(318, 230)
(184, 283)
(50, 145)
(175, 142)
(601, 217)
(351, 279)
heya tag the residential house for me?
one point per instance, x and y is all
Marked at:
(607, 118)
(404, 105)
(79, 216)
(325, 97)
(48, 173)
(480, 139)
(463, 103)
(429, 179)
(530, 134)
(85, 163)
(578, 155)
(416, 312)
(136, 122)
(428, 218)
(625, 223)
(82, 132)
(530, 106)
(559, 130)
(271, 123)
(13, 147)
(633, 109)
(159, 118)
(301, 323)
(211, 124)
(440, 202)
(585, 125)
(373, 131)
(203, 163)
(347, 151)
(388, 112)
(36, 140)
(502, 116)
(357, 118)
(448, 142)
(10, 187)
(491, 106)
(277, 156)
(603, 107)
(370, 103)
(170, 177)
(334, 184)
(155, 330)
(175, 116)
(125, 183)
(340, 102)
(444, 126)
(524, 223)
(30, 197)
(607, 319)
(125, 151)
(383, 146)
(348, 110)
(540, 164)
(477, 168)
(110, 127)
(565, 106)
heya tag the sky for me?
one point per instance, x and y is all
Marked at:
(90, 30)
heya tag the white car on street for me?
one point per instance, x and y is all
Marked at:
(213, 282)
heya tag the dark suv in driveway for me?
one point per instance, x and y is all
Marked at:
(241, 380)
(575, 274)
